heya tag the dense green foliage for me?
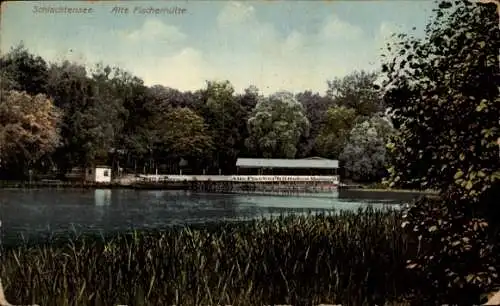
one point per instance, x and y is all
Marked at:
(334, 132)
(183, 134)
(444, 97)
(109, 116)
(356, 91)
(443, 94)
(276, 126)
(349, 258)
(363, 153)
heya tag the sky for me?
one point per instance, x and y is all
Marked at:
(275, 45)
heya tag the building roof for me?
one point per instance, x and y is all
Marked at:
(287, 163)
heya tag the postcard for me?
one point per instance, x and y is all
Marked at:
(249, 152)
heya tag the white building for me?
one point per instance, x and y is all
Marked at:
(98, 174)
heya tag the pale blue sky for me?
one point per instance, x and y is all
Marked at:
(278, 45)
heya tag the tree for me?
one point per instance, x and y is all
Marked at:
(28, 129)
(276, 126)
(89, 116)
(141, 105)
(166, 96)
(447, 108)
(334, 132)
(315, 107)
(248, 100)
(443, 94)
(120, 96)
(225, 117)
(364, 155)
(183, 134)
(27, 72)
(7, 81)
(357, 91)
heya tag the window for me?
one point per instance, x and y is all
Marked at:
(106, 172)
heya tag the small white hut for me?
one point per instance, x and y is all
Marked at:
(98, 174)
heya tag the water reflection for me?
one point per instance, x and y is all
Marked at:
(102, 197)
(35, 212)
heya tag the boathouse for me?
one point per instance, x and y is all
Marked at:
(98, 174)
(275, 166)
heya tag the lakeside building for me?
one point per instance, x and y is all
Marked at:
(98, 174)
(276, 166)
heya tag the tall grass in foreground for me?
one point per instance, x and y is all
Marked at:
(353, 258)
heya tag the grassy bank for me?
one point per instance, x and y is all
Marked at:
(349, 258)
(368, 189)
(381, 187)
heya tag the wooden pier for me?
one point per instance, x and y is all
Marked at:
(201, 183)
(243, 184)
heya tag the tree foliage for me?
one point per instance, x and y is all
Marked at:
(315, 108)
(225, 118)
(357, 91)
(89, 115)
(28, 128)
(276, 126)
(364, 154)
(25, 71)
(335, 130)
(446, 103)
(110, 116)
(248, 100)
(444, 99)
(184, 134)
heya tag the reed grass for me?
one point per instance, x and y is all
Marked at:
(353, 258)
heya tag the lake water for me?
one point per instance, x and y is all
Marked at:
(36, 212)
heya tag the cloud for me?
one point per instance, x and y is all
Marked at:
(383, 35)
(385, 31)
(186, 70)
(335, 28)
(235, 13)
(154, 30)
(294, 41)
(236, 45)
(249, 51)
(238, 25)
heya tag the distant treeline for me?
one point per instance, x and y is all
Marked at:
(63, 115)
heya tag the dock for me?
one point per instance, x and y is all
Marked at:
(240, 183)
(201, 183)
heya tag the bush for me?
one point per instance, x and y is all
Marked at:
(457, 255)
(443, 97)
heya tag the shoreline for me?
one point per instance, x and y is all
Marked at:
(341, 192)
(173, 186)
(86, 185)
(433, 192)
